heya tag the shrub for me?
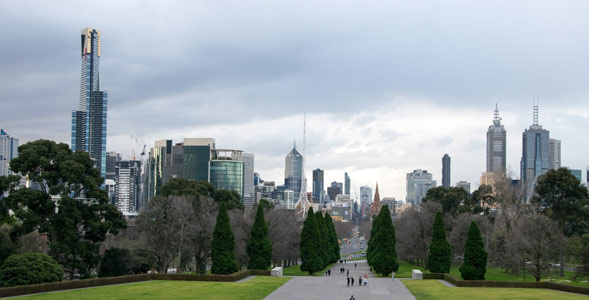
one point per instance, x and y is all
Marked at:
(29, 268)
(115, 262)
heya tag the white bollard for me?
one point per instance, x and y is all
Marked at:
(277, 272)
(416, 274)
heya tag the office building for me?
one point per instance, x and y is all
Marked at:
(227, 170)
(165, 161)
(196, 155)
(293, 172)
(365, 201)
(8, 151)
(577, 173)
(391, 202)
(111, 159)
(335, 189)
(89, 120)
(318, 185)
(463, 184)
(248, 173)
(257, 179)
(535, 159)
(496, 145)
(418, 183)
(554, 153)
(347, 184)
(446, 171)
(128, 186)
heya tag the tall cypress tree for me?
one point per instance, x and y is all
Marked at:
(475, 256)
(440, 253)
(334, 245)
(325, 254)
(259, 247)
(384, 257)
(222, 246)
(370, 248)
(310, 245)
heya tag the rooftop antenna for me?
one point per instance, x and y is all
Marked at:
(536, 110)
(303, 202)
(497, 119)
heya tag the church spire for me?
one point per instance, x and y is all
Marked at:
(376, 195)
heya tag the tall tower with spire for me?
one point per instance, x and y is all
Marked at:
(496, 145)
(375, 207)
(535, 153)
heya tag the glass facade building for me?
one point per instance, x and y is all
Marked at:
(227, 170)
(88, 131)
(197, 155)
(446, 171)
(496, 145)
(535, 155)
(318, 185)
(8, 151)
(293, 173)
(347, 183)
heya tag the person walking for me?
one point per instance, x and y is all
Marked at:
(355, 265)
(348, 272)
(360, 281)
(348, 281)
(352, 280)
(365, 281)
(329, 272)
(352, 298)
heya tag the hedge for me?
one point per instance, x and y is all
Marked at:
(85, 283)
(433, 275)
(513, 284)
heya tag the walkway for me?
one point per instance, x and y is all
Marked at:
(335, 286)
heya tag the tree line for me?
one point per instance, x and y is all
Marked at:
(319, 246)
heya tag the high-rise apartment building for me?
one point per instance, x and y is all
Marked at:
(128, 186)
(496, 145)
(335, 189)
(227, 170)
(318, 185)
(347, 184)
(165, 161)
(89, 120)
(554, 153)
(293, 173)
(535, 154)
(8, 151)
(418, 183)
(248, 173)
(464, 184)
(446, 171)
(111, 159)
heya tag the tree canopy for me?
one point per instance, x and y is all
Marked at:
(222, 247)
(259, 247)
(384, 253)
(310, 245)
(440, 253)
(475, 256)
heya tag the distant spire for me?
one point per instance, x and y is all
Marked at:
(497, 119)
(376, 195)
(536, 115)
(294, 144)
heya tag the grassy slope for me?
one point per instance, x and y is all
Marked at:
(434, 290)
(498, 274)
(255, 288)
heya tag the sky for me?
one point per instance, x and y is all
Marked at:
(386, 86)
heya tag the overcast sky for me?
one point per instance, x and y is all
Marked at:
(387, 86)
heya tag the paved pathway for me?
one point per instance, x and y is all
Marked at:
(335, 286)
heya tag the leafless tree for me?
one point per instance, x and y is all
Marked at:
(457, 229)
(241, 224)
(33, 242)
(343, 229)
(284, 232)
(364, 228)
(413, 230)
(200, 229)
(539, 243)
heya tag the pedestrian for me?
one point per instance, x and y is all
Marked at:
(352, 298)
(365, 281)
(352, 281)
(355, 265)
(348, 272)
(365, 276)
(329, 272)
(348, 281)
(360, 281)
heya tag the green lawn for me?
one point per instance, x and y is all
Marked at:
(255, 288)
(296, 271)
(498, 274)
(434, 290)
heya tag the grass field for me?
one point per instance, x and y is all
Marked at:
(296, 271)
(255, 288)
(434, 290)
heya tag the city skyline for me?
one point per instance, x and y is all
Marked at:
(349, 124)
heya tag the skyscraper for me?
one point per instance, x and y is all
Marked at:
(347, 184)
(248, 173)
(365, 200)
(318, 185)
(293, 172)
(128, 186)
(165, 162)
(8, 151)
(227, 170)
(196, 157)
(463, 184)
(446, 171)
(554, 152)
(535, 154)
(418, 183)
(89, 121)
(496, 145)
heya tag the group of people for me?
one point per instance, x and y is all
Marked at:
(360, 279)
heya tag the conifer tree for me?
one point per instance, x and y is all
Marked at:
(370, 248)
(475, 256)
(310, 245)
(334, 245)
(223, 244)
(384, 256)
(259, 247)
(440, 256)
(325, 254)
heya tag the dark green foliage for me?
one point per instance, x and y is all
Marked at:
(29, 268)
(325, 254)
(475, 256)
(450, 198)
(223, 256)
(310, 245)
(85, 214)
(440, 253)
(384, 252)
(259, 247)
(332, 235)
(7, 246)
(142, 261)
(7, 184)
(115, 262)
(266, 204)
(564, 200)
(230, 198)
(373, 231)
